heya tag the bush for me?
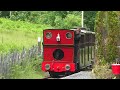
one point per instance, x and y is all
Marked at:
(58, 22)
(103, 71)
(71, 21)
(14, 35)
(107, 35)
(28, 69)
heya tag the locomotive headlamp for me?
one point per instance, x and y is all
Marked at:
(48, 35)
(68, 35)
(47, 66)
(67, 67)
(58, 54)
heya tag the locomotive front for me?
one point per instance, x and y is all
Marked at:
(58, 51)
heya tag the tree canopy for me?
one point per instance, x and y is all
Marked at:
(107, 30)
(57, 19)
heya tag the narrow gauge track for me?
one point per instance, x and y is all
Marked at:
(84, 74)
(48, 77)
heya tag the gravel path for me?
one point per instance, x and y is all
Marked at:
(81, 75)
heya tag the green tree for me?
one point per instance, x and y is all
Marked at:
(107, 35)
(112, 39)
(99, 29)
(20, 15)
(4, 13)
(89, 19)
(58, 19)
(71, 21)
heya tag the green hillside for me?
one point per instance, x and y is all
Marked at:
(18, 34)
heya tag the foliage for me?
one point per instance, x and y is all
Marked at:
(103, 71)
(107, 33)
(14, 35)
(62, 14)
(4, 13)
(99, 28)
(50, 17)
(20, 15)
(47, 18)
(68, 22)
(0, 13)
(44, 17)
(112, 39)
(28, 69)
(58, 22)
(89, 19)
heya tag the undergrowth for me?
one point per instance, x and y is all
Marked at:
(28, 69)
(14, 35)
(103, 71)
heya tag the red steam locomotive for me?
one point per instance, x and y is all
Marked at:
(67, 51)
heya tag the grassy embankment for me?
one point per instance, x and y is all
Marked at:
(17, 34)
(14, 35)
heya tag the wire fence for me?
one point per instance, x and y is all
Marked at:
(10, 59)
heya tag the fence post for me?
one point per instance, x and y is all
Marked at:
(42, 47)
(39, 45)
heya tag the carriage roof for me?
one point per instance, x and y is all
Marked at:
(84, 31)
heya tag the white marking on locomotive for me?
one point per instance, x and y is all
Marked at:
(58, 37)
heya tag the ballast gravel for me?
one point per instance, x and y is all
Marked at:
(81, 75)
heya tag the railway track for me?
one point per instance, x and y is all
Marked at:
(48, 77)
(53, 78)
(87, 74)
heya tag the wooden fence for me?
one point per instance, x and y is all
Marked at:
(10, 59)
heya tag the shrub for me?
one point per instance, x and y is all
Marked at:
(28, 69)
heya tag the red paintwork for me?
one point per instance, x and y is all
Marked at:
(58, 66)
(66, 45)
(63, 39)
(116, 69)
(68, 53)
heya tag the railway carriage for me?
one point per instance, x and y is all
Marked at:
(67, 51)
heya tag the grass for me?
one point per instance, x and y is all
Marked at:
(27, 70)
(18, 34)
(16, 40)
(14, 35)
(6, 24)
(103, 71)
